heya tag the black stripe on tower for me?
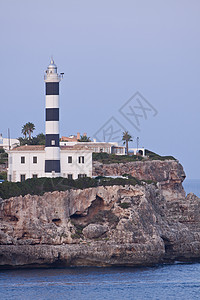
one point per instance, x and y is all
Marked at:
(52, 140)
(52, 165)
(52, 114)
(52, 88)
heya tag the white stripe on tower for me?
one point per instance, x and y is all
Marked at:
(52, 147)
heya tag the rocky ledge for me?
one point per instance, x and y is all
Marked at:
(104, 226)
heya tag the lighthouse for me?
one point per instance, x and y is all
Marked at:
(52, 147)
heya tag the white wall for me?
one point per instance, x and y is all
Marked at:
(16, 168)
(4, 142)
(75, 167)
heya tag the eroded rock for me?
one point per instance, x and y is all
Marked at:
(94, 230)
(104, 226)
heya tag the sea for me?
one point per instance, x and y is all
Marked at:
(169, 281)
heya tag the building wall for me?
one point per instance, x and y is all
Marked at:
(16, 168)
(78, 165)
(28, 168)
(98, 147)
(5, 142)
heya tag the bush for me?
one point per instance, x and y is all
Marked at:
(38, 186)
(3, 156)
(124, 205)
(155, 156)
(3, 175)
(106, 158)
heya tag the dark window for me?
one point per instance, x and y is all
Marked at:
(70, 176)
(82, 175)
(35, 159)
(50, 138)
(35, 176)
(22, 159)
(22, 177)
(81, 159)
(69, 159)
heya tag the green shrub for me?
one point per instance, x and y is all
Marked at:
(3, 175)
(155, 156)
(106, 158)
(38, 186)
(3, 156)
(124, 205)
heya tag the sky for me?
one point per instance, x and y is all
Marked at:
(128, 65)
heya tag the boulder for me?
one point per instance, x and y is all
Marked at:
(93, 231)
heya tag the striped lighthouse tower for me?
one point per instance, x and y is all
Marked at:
(52, 147)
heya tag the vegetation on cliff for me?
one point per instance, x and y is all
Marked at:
(154, 156)
(106, 158)
(38, 186)
(3, 156)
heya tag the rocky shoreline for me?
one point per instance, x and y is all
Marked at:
(127, 225)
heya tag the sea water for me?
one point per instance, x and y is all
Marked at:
(176, 281)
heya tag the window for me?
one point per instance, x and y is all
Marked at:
(10, 177)
(53, 142)
(69, 159)
(22, 159)
(82, 175)
(81, 159)
(35, 159)
(35, 176)
(70, 176)
(22, 177)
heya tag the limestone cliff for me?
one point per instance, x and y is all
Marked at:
(104, 226)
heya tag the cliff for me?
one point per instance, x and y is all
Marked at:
(104, 226)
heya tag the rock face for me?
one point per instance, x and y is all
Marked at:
(169, 174)
(104, 226)
(93, 231)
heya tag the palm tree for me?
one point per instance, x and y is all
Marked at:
(28, 128)
(84, 138)
(25, 130)
(31, 128)
(126, 138)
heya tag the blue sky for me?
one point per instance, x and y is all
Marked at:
(108, 50)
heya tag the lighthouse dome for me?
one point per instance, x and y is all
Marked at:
(52, 68)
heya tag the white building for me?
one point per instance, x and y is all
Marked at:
(98, 147)
(29, 162)
(6, 143)
(51, 160)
